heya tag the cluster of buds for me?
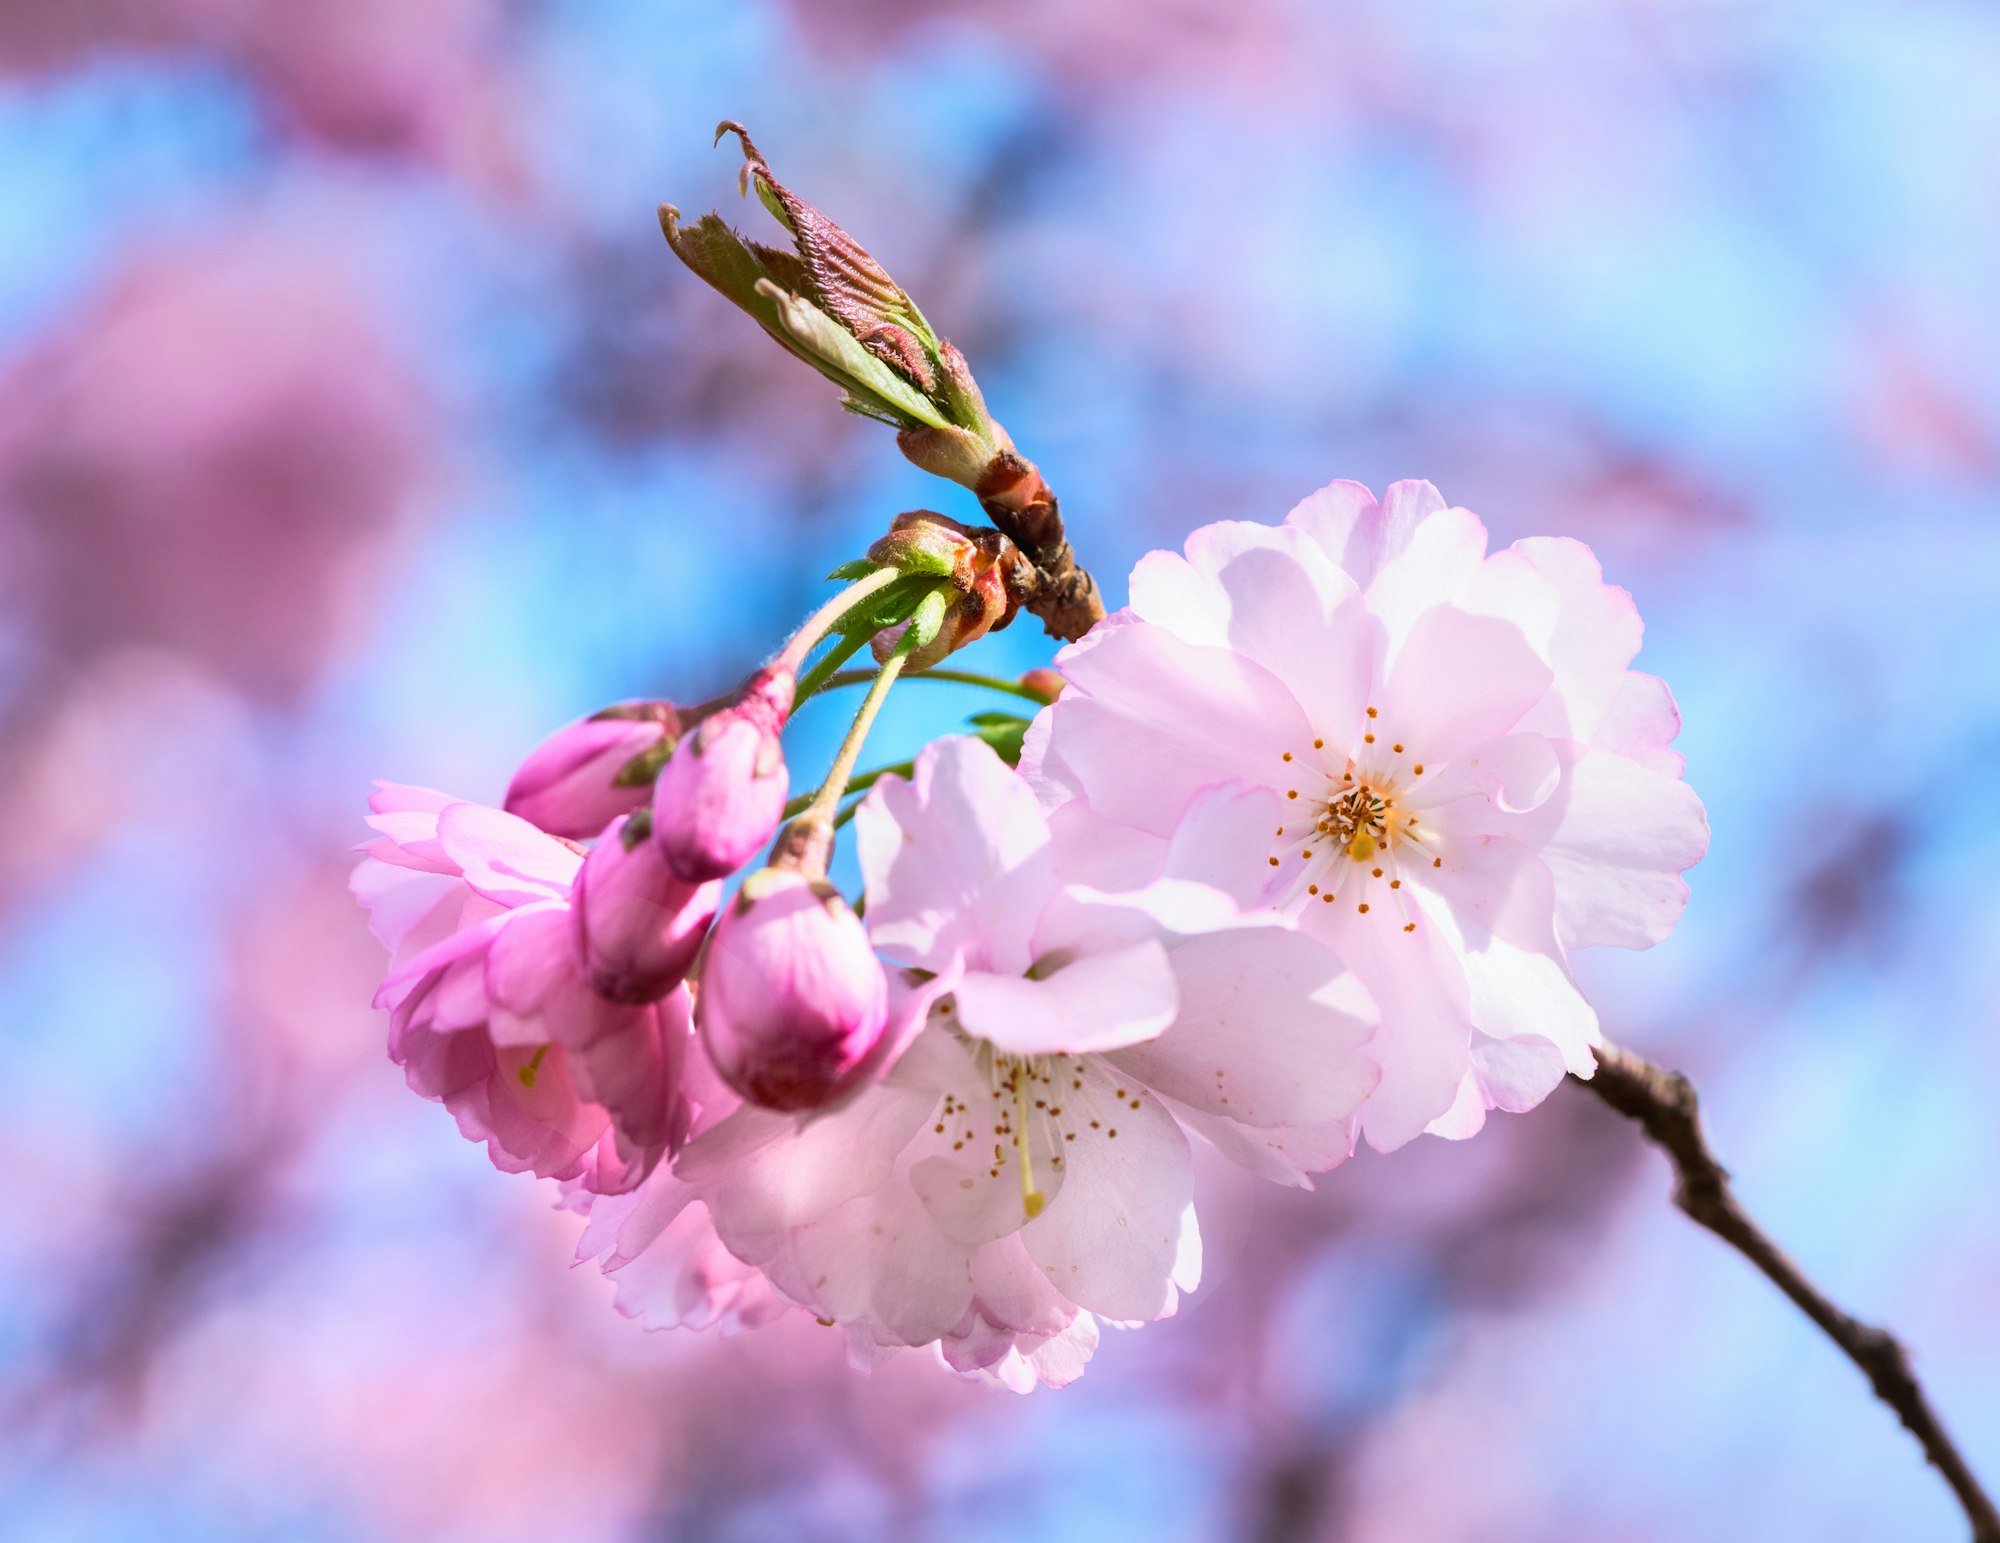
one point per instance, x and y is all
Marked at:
(791, 1001)
(986, 573)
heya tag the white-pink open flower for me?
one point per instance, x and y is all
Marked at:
(489, 1010)
(1022, 1166)
(1436, 759)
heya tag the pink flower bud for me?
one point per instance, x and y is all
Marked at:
(793, 999)
(638, 928)
(572, 784)
(722, 793)
(1044, 682)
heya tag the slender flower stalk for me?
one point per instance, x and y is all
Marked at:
(808, 841)
(827, 672)
(944, 676)
(822, 621)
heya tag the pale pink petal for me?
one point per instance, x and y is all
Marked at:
(1518, 772)
(1223, 837)
(1270, 1031)
(1495, 901)
(465, 943)
(1458, 681)
(1513, 589)
(1011, 1290)
(1096, 1002)
(504, 857)
(879, 1261)
(1192, 717)
(1596, 635)
(1111, 1241)
(956, 860)
(1284, 1154)
(1273, 596)
(1092, 850)
(762, 1172)
(405, 907)
(1419, 988)
(1466, 1117)
(1060, 1359)
(1641, 723)
(1358, 533)
(1618, 839)
(1438, 566)
(1517, 1074)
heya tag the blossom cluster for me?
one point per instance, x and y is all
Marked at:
(1295, 857)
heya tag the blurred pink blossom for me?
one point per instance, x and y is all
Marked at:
(203, 459)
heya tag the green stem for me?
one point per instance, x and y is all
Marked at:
(815, 680)
(860, 784)
(818, 624)
(821, 810)
(951, 677)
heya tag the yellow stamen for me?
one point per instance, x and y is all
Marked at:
(1032, 1199)
(527, 1071)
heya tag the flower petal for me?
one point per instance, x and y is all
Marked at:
(1496, 902)
(1097, 1002)
(1191, 717)
(1112, 1241)
(504, 857)
(1269, 1033)
(1357, 532)
(956, 860)
(1458, 681)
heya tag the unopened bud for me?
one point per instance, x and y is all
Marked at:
(793, 1000)
(1044, 682)
(638, 926)
(721, 795)
(833, 305)
(573, 783)
(986, 574)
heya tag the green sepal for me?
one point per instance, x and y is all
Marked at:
(643, 768)
(855, 568)
(889, 605)
(926, 621)
(1004, 734)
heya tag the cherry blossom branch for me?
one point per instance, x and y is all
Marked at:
(1023, 508)
(1664, 1105)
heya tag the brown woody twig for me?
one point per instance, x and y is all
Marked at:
(1664, 1105)
(1023, 508)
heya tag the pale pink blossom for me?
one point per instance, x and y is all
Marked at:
(721, 794)
(569, 785)
(1435, 758)
(489, 1010)
(793, 1000)
(638, 927)
(1021, 1170)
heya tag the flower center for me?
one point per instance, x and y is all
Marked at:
(1037, 1109)
(1357, 825)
